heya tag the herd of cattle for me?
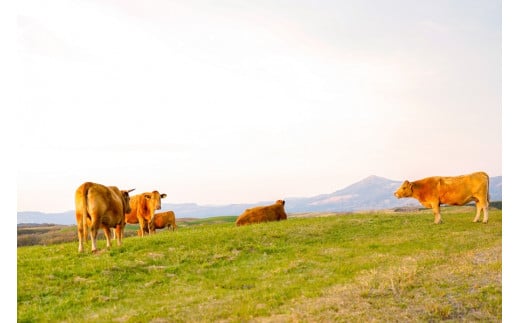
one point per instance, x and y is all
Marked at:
(108, 207)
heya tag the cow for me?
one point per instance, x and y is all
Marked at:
(431, 192)
(143, 207)
(274, 212)
(99, 206)
(163, 220)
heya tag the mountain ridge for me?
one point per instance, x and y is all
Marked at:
(371, 193)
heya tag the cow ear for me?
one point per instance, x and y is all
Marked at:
(163, 195)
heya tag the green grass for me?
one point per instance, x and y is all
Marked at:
(206, 221)
(356, 267)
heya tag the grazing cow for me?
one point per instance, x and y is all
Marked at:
(274, 212)
(431, 192)
(100, 206)
(163, 220)
(143, 208)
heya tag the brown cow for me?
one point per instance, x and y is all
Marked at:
(162, 220)
(274, 212)
(431, 192)
(100, 206)
(143, 208)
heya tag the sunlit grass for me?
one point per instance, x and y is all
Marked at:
(361, 267)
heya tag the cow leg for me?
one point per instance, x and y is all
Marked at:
(107, 236)
(94, 228)
(485, 207)
(82, 237)
(118, 233)
(140, 232)
(437, 213)
(482, 206)
(151, 228)
(93, 238)
(486, 215)
(477, 216)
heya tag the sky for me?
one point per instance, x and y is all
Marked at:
(219, 102)
(243, 101)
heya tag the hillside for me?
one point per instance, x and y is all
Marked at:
(371, 193)
(382, 267)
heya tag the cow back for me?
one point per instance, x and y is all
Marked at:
(102, 203)
(164, 219)
(274, 212)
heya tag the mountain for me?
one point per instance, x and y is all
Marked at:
(495, 188)
(371, 193)
(65, 218)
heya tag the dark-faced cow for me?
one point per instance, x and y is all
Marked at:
(431, 192)
(274, 212)
(143, 207)
(99, 206)
(163, 220)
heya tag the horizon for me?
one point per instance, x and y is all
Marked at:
(232, 203)
(217, 103)
(248, 203)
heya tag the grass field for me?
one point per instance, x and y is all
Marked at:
(352, 268)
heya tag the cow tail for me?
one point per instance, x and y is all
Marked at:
(488, 197)
(85, 210)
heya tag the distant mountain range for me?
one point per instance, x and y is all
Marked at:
(371, 193)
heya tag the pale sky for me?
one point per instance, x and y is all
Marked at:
(219, 102)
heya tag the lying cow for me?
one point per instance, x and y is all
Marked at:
(431, 192)
(163, 220)
(99, 206)
(274, 212)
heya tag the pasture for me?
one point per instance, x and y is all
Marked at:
(358, 267)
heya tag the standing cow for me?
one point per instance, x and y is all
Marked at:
(163, 220)
(274, 212)
(143, 208)
(431, 192)
(100, 206)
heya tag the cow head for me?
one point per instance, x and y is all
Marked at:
(153, 200)
(280, 202)
(126, 200)
(405, 190)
